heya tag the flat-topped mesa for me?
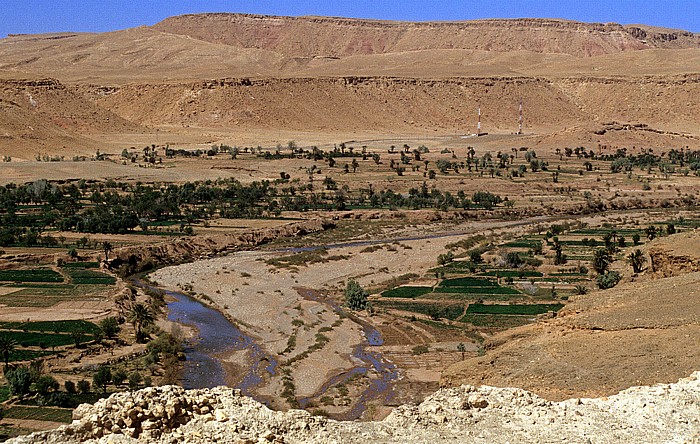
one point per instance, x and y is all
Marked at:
(340, 37)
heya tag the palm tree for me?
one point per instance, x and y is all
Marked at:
(601, 260)
(637, 260)
(107, 247)
(7, 346)
(140, 316)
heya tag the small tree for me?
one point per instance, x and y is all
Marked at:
(46, 384)
(636, 238)
(637, 260)
(355, 295)
(84, 386)
(461, 348)
(69, 386)
(651, 232)
(140, 316)
(102, 377)
(107, 248)
(134, 380)
(118, 376)
(601, 260)
(608, 280)
(19, 379)
(7, 346)
(110, 327)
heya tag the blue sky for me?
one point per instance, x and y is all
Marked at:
(36, 16)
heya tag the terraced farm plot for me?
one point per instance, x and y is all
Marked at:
(513, 309)
(45, 295)
(19, 355)
(468, 282)
(406, 292)
(498, 322)
(40, 413)
(73, 326)
(452, 311)
(36, 339)
(81, 265)
(90, 277)
(35, 275)
(512, 273)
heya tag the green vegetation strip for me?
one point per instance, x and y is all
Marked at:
(406, 292)
(513, 309)
(37, 275)
(39, 413)
(495, 321)
(478, 290)
(19, 355)
(34, 339)
(434, 310)
(512, 273)
(89, 277)
(49, 295)
(75, 326)
(468, 282)
(81, 265)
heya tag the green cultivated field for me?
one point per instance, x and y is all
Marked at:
(89, 277)
(513, 309)
(36, 275)
(39, 413)
(79, 326)
(406, 292)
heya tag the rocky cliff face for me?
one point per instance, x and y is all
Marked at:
(662, 413)
(340, 37)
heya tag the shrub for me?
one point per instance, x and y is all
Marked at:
(134, 380)
(84, 386)
(102, 377)
(19, 380)
(608, 280)
(46, 384)
(69, 386)
(355, 295)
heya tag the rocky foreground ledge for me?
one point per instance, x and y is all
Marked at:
(659, 414)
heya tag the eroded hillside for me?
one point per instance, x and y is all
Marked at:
(635, 334)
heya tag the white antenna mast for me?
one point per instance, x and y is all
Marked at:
(520, 118)
(478, 123)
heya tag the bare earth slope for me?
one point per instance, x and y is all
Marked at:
(635, 334)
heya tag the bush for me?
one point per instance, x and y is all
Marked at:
(134, 380)
(19, 380)
(70, 387)
(608, 280)
(118, 376)
(102, 377)
(84, 386)
(355, 296)
(46, 384)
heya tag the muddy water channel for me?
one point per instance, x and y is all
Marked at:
(382, 373)
(217, 336)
